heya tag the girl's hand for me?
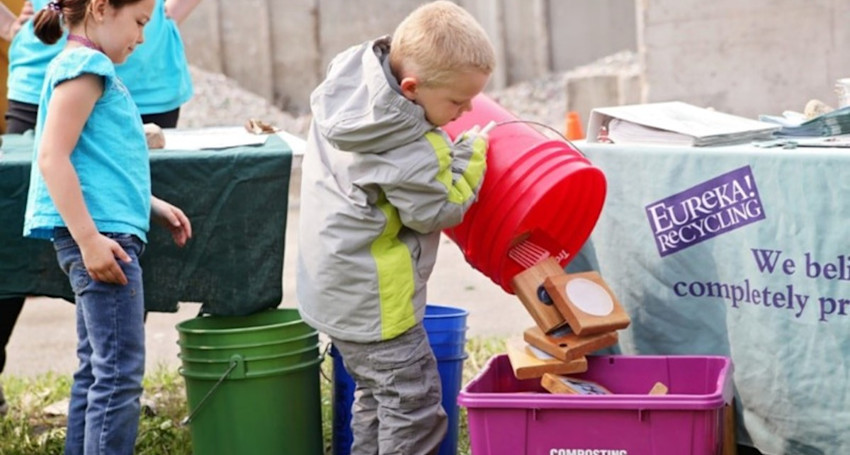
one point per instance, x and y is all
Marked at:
(100, 256)
(173, 219)
(26, 14)
(11, 24)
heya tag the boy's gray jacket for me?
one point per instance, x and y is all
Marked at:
(379, 182)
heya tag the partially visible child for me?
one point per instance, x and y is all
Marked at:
(156, 74)
(380, 180)
(90, 192)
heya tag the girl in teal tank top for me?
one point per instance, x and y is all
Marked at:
(156, 74)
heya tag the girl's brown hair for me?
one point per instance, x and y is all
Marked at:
(47, 23)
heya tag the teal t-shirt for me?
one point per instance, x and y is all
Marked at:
(110, 158)
(156, 73)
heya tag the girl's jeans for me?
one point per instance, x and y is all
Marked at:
(103, 416)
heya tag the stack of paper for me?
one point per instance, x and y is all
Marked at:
(675, 123)
(211, 138)
(796, 124)
(620, 130)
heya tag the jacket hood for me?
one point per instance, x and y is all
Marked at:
(359, 106)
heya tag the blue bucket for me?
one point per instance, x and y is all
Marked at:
(446, 328)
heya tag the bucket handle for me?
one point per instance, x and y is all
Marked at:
(236, 363)
(543, 125)
(322, 356)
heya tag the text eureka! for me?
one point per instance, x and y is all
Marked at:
(707, 210)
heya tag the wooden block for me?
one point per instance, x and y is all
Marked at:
(565, 345)
(529, 362)
(586, 303)
(730, 427)
(658, 389)
(567, 385)
(528, 286)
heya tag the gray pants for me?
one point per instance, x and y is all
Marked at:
(396, 406)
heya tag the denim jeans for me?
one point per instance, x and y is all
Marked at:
(103, 416)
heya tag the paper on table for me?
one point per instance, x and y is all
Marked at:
(676, 123)
(829, 124)
(624, 131)
(211, 138)
(790, 142)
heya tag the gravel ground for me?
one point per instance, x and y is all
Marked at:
(544, 99)
(220, 101)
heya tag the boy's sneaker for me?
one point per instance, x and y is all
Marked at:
(4, 407)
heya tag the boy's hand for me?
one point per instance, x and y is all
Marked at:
(477, 136)
(173, 219)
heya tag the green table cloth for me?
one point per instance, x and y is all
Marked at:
(236, 199)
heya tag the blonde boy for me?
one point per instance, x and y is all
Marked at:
(380, 180)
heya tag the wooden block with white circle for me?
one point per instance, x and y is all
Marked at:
(565, 345)
(587, 303)
(528, 286)
(529, 362)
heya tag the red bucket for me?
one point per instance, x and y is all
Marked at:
(535, 189)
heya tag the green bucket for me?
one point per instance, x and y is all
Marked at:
(263, 398)
(249, 351)
(227, 331)
(252, 365)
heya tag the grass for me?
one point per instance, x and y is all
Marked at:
(31, 429)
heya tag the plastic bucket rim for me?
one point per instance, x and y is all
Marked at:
(249, 374)
(518, 208)
(249, 345)
(579, 177)
(182, 326)
(457, 312)
(541, 161)
(246, 359)
(521, 200)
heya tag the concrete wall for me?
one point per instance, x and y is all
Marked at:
(280, 48)
(584, 31)
(745, 57)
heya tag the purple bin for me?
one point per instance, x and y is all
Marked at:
(508, 416)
